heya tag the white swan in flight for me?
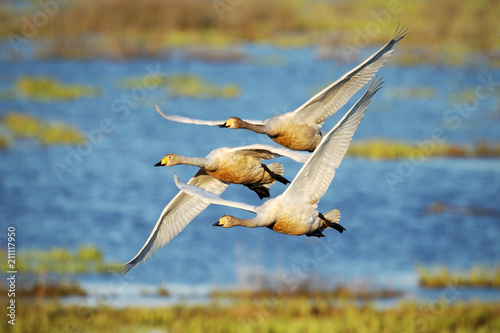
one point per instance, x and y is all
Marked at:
(241, 165)
(300, 129)
(222, 166)
(294, 212)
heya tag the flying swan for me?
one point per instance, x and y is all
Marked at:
(294, 212)
(242, 165)
(300, 129)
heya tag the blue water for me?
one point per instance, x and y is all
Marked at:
(107, 192)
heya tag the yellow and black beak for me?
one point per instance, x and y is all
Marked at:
(224, 125)
(217, 224)
(159, 164)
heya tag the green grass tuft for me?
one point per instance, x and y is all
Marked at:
(86, 259)
(4, 142)
(47, 89)
(195, 87)
(449, 31)
(271, 315)
(476, 277)
(187, 85)
(383, 149)
(25, 126)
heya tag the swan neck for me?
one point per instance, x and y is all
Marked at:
(255, 128)
(195, 161)
(249, 223)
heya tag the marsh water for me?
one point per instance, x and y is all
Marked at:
(107, 192)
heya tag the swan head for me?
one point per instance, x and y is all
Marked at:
(233, 122)
(226, 221)
(168, 160)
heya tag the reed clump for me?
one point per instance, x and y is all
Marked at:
(4, 142)
(188, 85)
(341, 292)
(384, 149)
(60, 134)
(476, 277)
(195, 87)
(83, 260)
(25, 126)
(295, 315)
(41, 286)
(127, 28)
(47, 89)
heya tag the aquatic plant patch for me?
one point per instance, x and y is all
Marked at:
(47, 89)
(25, 126)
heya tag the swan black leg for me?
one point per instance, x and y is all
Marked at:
(261, 190)
(329, 223)
(275, 176)
(315, 233)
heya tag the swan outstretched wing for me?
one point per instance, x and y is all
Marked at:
(210, 198)
(315, 176)
(265, 152)
(175, 217)
(332, 98)
(187, 120)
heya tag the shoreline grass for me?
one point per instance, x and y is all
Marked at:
(43, 287)
(342, 292)
(476, 277)
(297, 315)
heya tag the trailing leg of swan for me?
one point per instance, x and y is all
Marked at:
(276, 175)
(333, 220)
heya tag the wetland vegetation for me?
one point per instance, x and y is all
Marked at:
(269, 315)
(125, 29)
(479, 276)
(217, 31)
(26, 126)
